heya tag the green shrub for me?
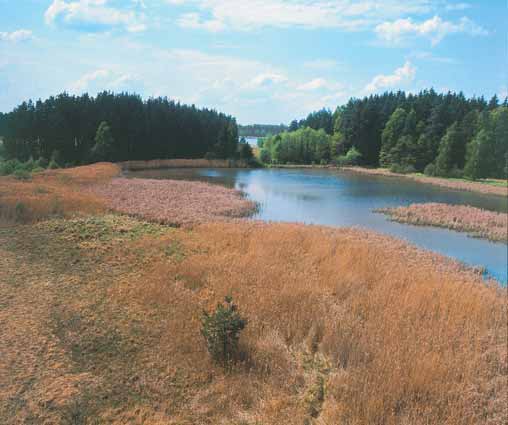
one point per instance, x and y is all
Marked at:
(264, 156)
(29, 165)
(352, 157)
(42, 162)
(8, 167)
(21, 173)
(38, 169)
(402, 169)
(20, 211)
(221, 330)
(55, 157)
(53, 165)
(456, 173)
(430, 170)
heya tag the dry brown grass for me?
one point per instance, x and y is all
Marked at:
(344, 327)
(475, 221)
(53, 193)
(99, 323)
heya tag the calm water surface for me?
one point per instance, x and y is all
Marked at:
(340, 198)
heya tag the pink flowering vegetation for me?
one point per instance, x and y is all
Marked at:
(475, 221)
(174, 202)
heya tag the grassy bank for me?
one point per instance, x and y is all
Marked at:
(475, 221)
(100, 318)
(182, 163)
(487, 186)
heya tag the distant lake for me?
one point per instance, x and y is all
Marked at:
(341, 198)
(251, 140)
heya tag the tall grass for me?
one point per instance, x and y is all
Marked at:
(352, 326)
(475, 221)
(55, 192)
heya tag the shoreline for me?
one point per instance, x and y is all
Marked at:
(456, 184)
(156, 164)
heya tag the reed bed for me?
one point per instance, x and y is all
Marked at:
(345, 326)
(475, 221)
(174, 202)
(470, 186)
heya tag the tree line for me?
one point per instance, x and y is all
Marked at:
(260, 130)
(132, 129)
(442, 134)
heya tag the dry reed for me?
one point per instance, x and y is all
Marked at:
(174, 202)
(475, 221)
(53, 193)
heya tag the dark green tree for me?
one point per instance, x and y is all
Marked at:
(104, 147)
(449, 155)
(393, 131)
(479, 155)
(221, 330)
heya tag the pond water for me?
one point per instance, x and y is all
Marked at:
(341, 198)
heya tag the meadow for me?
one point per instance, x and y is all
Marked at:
(100, 317)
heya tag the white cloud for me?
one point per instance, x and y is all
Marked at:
(253, 14)
(434, 28)
(93, 13)
(314, 84)
(401, 76)
(318, 84)
(103, 79)
(266, 79)
(15, 36)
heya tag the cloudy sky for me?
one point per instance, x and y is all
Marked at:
(263, 61)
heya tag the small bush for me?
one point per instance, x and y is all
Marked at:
(456, 173)
(42, 162)
(20, 211)
(22, 174)
(221, 330)
(430, 170)
(352, 157)
(29, 165)
(8, 167)
(38, 169)
(402, 169)
(53, 165)
(264, 156)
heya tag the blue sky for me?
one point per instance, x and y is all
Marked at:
(263, 61)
